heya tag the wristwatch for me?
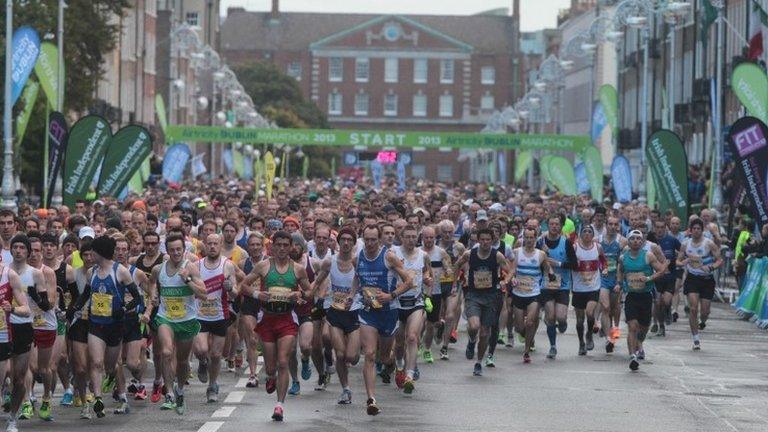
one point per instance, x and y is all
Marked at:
(188, 279)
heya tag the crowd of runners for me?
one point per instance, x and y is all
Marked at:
(327, 278)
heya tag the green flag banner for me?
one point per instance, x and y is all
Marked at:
(126, 152)
(563, 177)
(523, 162)
(609, 98)
(258, 174)
(29, 96)
(593, 165)
(669, 164)
(269, 173)
(160, 113)
(651, 189)
(750, 84)
(305, 166)
(88, 140)
(136, 184)
(238, 163)
(47, 70)
(544, 169)
(381, 138)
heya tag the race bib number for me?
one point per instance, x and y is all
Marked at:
(526, 284)
(694, 261)
(636, 281)
(175, 308)
(67, 299)
(84, 313)
(38, 320)
(3, 320)
(370, 295)
(447, 275)
(278, 294)
(612, 264)
(209, 308)
(555, 284)
(587, 278)
(339, 300)
(483, 279)
(101, 304)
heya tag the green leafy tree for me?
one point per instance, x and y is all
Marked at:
(278, 98)
(90, 32)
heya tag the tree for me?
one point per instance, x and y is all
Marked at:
(90, 32)
(278, 98)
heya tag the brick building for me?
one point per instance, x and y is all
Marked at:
(395, 72)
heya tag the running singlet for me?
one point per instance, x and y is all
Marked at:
(215, 307)
(279, 286)
(562, 276)
(483, 273)
(6, 294)
(611, 250)
(27, 283)
(438, 268)
(177, 300)
(698, 257)
(528, 273)
(43, 320)
(147, 269)
(586, 278)
(669, 246)
(128, 297)
(106, 296)
(636, 270)
(375, 275)
(339, 288)
(415, 267)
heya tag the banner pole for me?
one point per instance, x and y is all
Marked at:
(46, 155)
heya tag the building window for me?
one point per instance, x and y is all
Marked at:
(361, 104)
(446, 105)
(294, 70)
(334, 103)
(419, 105)
(487, 75)
(335, 69)
(390, 70)
(192, 19)
(362, 69)
(390, 105)
(420, 71)
(487, 102)
(418, 171)
(444, 173)
(446, 71)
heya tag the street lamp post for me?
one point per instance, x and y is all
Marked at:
(8, 198)
(56, 200)
(717, 195)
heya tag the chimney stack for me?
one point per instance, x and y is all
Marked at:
(516, 11)
(275, 14)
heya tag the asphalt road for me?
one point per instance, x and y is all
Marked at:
(724, 387)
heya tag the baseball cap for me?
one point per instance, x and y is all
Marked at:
(496, 207)
(482, 215)
(86, 231)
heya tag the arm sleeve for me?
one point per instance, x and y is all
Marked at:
(134, 290)
(570, 256)
(81, 299)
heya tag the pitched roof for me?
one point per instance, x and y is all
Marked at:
(296, 31)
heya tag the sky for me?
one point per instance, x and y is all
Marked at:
(535, 14)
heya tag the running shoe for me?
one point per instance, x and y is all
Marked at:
(11, 426)
(408, 386)
(108, 384)
(609, 347)
(596, 329)
(169, 403)
(322, 381)
(552, 352)
(454, 336)
(444, 353)
(45, 410)
(77, 402)
(271, 385)
(696, 345)
(157, 393)
(668, 317)
(306, 371)
(520, 338)
(400, 378)
(478, 370)
(662, 332)
(687, 310)
(654, 328)
(416, 374)
(141, 393)
(277, 414)
(675, 316)
(502, 339)
(253, 382)
(562, 327)
(641, 354)
(346, 397)
(526, 358)
(133, 387)
(212, 393)
(533, 345)
(379, 367)
(98, 408)
(386, 374)
(230, 366)
(633, 363)
(371, 408)
(202, 371)
(470, 352)
(420, 352)
(26, 411)
(615, 334)
(90, 398)
(702, 325)
(489, 361)
(122, 408)
(239, 359)
(582, 349)
(590, 344)
(295, 389)
(7, 402)
(86, 413)
(428, 357)
(179, 402)
(66, 399)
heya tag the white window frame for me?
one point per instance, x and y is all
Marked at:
(335, 98)
(389, 97)
(484, 102)
(416, 111)
(333, 68)
(444, 173)
(296, 72)
(447, 71)
(194, 15)
(444, 99)
(390, 70)
(488, 75)
(359, 98)
(417, 63)
(361, 62)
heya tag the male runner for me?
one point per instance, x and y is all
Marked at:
(249, 308)
(442, 268)
(610, 301)
(13, 301)
(586, 285)
(665, 285)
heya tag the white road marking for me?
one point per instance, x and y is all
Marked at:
(234, 397)
(212, 426)
(224, 411)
